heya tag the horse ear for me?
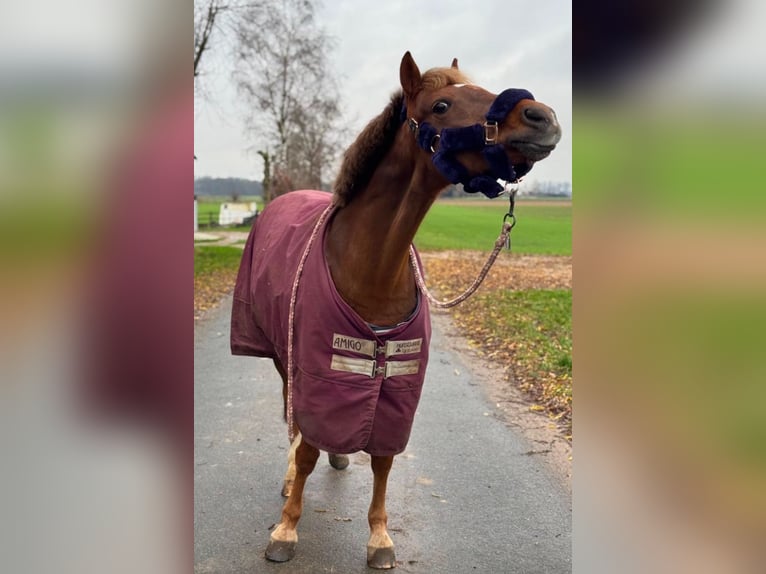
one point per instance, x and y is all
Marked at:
(454, 63)
(409, 76)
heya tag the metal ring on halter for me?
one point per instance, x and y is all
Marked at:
(434, 140)
(509, 188)
(513, 219)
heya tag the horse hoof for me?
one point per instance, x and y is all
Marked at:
(280, 551)
(381, 558)
(338, 461)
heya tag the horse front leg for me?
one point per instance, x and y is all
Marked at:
(380, 548)
(284, 539)
(287, 485)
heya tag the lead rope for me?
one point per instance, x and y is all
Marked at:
(291, 321)
(504, 239)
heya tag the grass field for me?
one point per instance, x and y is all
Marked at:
(207, 209)
(520, 318)
(211, 259)
(534, 327)
(215, 270)
(541, 228)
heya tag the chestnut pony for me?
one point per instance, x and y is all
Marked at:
(439, 128)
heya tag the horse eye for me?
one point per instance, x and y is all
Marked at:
(440, 107)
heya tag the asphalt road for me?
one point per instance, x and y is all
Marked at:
(465, 497)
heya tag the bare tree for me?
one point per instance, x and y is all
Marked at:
(284, 76)
(214, 19)
(206, 19)
(266, 183)
(312, 145)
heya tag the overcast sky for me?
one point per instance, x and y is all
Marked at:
(499, 43)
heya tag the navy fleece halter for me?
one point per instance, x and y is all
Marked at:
(476, 137)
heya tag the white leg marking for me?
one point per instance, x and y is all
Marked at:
(290, 474)
(291, 457)
(380, 540)
(282, 534)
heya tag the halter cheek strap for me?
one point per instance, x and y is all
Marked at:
(446, 144)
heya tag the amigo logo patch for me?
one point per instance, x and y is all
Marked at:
(346, 343)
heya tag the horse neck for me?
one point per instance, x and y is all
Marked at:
(368, 241)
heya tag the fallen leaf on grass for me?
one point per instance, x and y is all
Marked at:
(210, 289)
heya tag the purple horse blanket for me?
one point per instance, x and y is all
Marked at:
(354, 387)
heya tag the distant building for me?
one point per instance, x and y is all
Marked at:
(553, 189)
(235, 213)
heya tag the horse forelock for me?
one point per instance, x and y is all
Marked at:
(436, 78)
(367, 151)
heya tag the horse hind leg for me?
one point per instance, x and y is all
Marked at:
(284, 538)
(282, 373)
(380, 547)
(290, 474)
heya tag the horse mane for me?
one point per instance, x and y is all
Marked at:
(367, 151)
(372, 144)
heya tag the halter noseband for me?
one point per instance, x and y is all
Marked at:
(483, 137)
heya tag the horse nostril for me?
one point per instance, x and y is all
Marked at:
(536, 116)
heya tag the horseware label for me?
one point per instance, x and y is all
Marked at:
(396, 368)
(346, 343)
(403, 347)
(350, 365)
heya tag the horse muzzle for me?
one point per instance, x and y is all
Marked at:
(539, 134)
(531, 150)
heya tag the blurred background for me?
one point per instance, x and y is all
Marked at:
(96, 153)
(670, 287)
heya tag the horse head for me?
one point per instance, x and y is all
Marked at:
(475, 137)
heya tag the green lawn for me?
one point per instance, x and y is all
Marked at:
(543, 320)
(537, 324)
(540, 229)
(211, 259)
(208, 209)
(529, 332)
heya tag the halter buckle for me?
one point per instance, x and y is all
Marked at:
(434, 142)
(413, 125)
(490, 132)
